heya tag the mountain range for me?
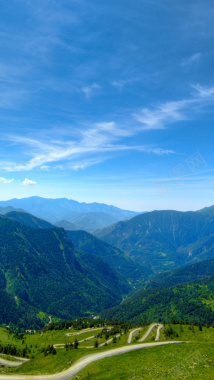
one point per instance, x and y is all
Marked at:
(56, 210)
(161, 261)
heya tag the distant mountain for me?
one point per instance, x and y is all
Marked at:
(114, 257)
(5, 210)
(89, 221)
(207, 211)
(93, 220)
(188, 273)
(66, 225)
(54, 210)
(41, 271)
(191, 302)
(158, 239)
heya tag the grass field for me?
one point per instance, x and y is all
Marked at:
(191, 360)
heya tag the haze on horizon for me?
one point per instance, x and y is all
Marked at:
(108, 102)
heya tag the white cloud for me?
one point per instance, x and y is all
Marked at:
(97, 142)
(190, 60)
(89, 90)
(4, 180)
(28, 182)
(172, 112)
(160, 116)
(204, 92)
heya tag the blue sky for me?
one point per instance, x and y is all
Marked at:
(108, 101)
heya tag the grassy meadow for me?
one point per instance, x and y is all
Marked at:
(194, 358)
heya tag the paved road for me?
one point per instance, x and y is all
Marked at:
(105, 343)
(82, 363)
(10, 363)
(148, 331)
(131, 335)
(85, 331)
(158, 332)
(62, 345)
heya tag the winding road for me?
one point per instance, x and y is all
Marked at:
(82, 363)
(150, 329)
(131, 335)
(10, 363)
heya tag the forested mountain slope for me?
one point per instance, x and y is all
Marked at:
(114, 257)
(153, 239)
(41, 269)
(192, 302)
(132, 272)
(187, 273)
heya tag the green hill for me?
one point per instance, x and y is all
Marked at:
(42, 271)
(153, 239)
(193, 302)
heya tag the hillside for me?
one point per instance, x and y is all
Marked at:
(153, 239)
(54, 210)
(114, 257)
(120, 262)
(193, 302)
(188, 273)
(41, 269)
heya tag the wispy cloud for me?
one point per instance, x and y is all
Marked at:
(123, 82)
(172, 112)
(159, 117)
(94, 143)
(4, 180)
(28, 182)
(204, 92)
(92, 146)
(188, 61)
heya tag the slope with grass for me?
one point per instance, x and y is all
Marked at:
(183, 350)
